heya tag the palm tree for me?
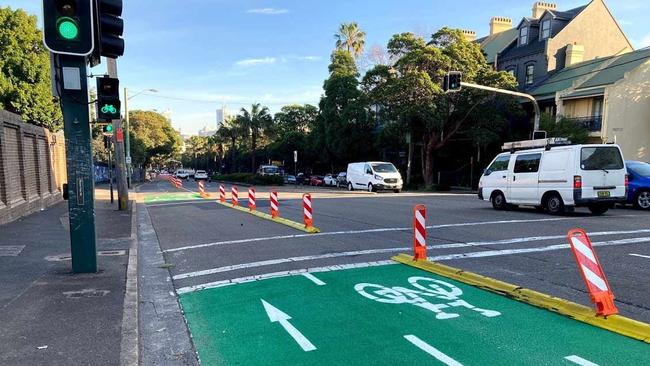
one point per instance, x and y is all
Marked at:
(230, 132)
(351, 38)
(255, 122)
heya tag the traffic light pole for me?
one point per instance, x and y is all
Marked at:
(127, 138)
(118, 143)
(73, 86)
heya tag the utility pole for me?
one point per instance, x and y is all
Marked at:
(127, 138)
(118, 143)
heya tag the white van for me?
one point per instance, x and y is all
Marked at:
(557, 178)
(373, 176)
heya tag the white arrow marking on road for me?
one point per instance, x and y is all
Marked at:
(580, 361)
(276, 315)
(640, 256)
(432, 351)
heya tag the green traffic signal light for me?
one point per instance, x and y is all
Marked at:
(68, 28)
(108, 129)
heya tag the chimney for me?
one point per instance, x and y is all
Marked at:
(540, 7)
(499, 24)
(470, 36)
(574, 54)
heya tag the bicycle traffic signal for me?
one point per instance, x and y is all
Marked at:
(109, 28)
(108, 99)
(68, 26)
(452, 82)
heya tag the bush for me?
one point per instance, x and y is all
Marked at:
(249, 178)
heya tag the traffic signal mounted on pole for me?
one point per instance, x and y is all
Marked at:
(452, 82)
(108, 99)
(108, 130)
(109, 28)
(68, 26)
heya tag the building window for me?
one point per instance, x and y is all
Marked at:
(546, 29)
(530, 74)
(523, 36)
(512, 72)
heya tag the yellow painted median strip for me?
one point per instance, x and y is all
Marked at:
(279, 220)
(615, 323)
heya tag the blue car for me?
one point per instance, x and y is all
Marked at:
(639, 188)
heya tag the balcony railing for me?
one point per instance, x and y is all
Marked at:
(591, 123)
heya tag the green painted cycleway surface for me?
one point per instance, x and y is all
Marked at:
(230, 326)
(171, 197)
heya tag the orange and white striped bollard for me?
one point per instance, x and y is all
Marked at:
(275, 205)
(222, 193)
(307, 211)
(251, 199)
(420, 232)
(235, 195)
(201, 185)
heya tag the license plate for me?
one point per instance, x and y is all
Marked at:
(603, 194)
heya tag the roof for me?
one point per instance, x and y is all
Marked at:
(599, 73)
(494, 44)
(568, 14)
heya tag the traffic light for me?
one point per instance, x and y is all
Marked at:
(452, 82)
(109, 28)
(68, 26)
(108, 129)
(108, 99)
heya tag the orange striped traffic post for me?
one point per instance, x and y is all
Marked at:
(275, 205)
(307, 211)
(235, 195)
(420, 232)
(222, 193)
(251, 199)
(202, 192)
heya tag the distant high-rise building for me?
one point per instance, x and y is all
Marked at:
(222, 116)
(204, 132)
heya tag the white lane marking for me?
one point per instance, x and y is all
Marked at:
(594, 278)
(278, 316)
(266, 276)
(580, 361)
(640, 256)
(187, 202)
(432, 351)
(440, 246)
(583, 249)
(314, 279)
(488, 253)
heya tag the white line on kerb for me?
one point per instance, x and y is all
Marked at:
(640, 256)
(368, 231)
(432, 351)
(580, 361)
(313, 279)
(482, 254)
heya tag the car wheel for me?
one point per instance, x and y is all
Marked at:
(499, 201)
(350, 188)
(554, 204)
(396, 190)
(598, 209)
(371, 188)
(642, 200)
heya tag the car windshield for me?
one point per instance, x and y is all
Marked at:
(200, 172)
(642, 169)
(270, 170)
(384, 168)
(601, 158)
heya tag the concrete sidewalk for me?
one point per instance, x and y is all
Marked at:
(51, 316)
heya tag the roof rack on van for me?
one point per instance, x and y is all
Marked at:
(536, 144)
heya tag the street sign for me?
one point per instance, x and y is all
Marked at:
(128, 160)
(295, 156)
(119, 135)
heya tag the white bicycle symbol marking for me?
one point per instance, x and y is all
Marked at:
(426, 287)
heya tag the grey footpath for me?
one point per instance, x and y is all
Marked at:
(164, 335)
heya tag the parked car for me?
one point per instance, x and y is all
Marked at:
(290, 179)
(201, 175)
(329, 180)
(556, 177)
(341, 180)
(301, 179)
(268, 170)
(639, 184)
(374, 176)
(184, 173)
(316, 180)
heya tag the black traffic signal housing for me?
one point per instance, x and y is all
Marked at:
(107, 142)
(109, 28)
(68, 26)
(452, 82)
(108, 99)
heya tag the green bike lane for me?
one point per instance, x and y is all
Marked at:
(386, 315)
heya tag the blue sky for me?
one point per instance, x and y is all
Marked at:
(200, 54)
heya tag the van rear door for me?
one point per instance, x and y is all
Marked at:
(603, 172)
(524, 181)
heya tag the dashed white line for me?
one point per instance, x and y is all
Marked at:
(432, 351)
(640, 256)
(580, 361)
(313, 279)
(482, 254)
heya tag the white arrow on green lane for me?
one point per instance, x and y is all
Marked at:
(276, 315)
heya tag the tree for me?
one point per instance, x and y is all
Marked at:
(564, 128)
(25, 86)
(153, 135)
(254, 122)
(351, 38)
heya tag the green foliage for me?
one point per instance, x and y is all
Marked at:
(250, 178)
(350, 38)
(25, 86)
(564, 128)
(152, 137)
(255, 123)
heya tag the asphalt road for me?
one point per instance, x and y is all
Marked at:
(206, 243)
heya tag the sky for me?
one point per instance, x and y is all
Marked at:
(202, 54)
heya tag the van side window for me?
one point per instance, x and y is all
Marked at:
(367, 169)
(527, 163)
(500, 164)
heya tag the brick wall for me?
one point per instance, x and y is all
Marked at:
(32, 167)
